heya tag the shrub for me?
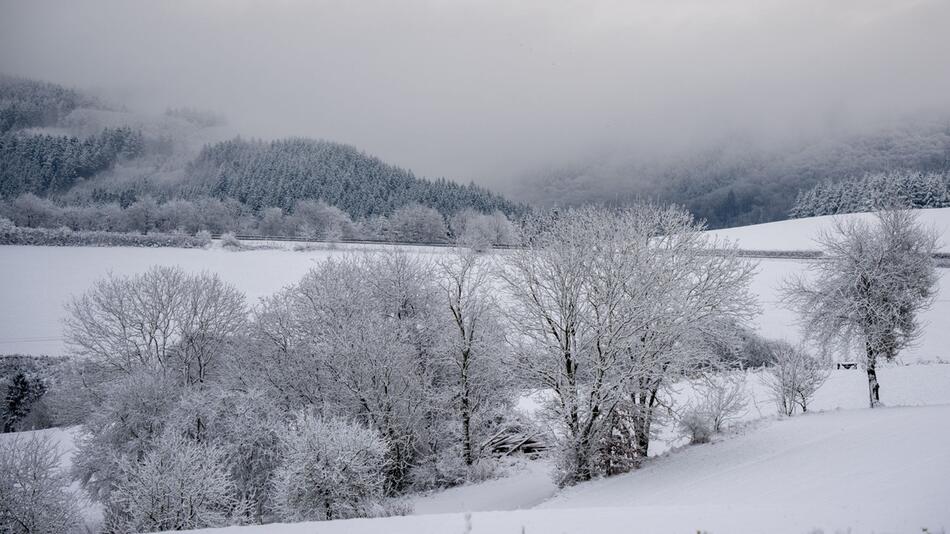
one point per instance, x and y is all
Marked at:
(231, 242)
(331, 469)
(695, 425)
(34, 493)
(178, 485)
(64, 237)
(794, 377)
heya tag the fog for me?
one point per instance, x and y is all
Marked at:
(487, 90)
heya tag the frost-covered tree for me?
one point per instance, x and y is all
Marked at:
(163, 319)
(557, 343)
(177, 485)
(418, 224)
(331, 469)
(129, 416)
(365, 338)
(794, 377)
(476, 345)
(612, 307)
(35, 497)
(867, 290)
(688, 294)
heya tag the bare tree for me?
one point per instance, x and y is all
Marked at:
(614, 306)
(558, 343)
(465, 281)
(163, 319)
(794, 377)
(689, 292)
(867, 290)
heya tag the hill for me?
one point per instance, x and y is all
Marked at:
(743, 181)
(800, 234)
(60, 144)
(279, 173)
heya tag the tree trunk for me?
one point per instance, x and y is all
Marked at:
(642, 417)
(873, 386)
(466, 415)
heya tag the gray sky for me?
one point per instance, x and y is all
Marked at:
(487, 89)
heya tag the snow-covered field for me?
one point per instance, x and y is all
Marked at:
(799, 234)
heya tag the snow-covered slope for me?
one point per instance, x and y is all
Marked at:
(884, 470)
(800, 234)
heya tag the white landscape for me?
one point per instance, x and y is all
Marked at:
(490, 267)
(841, 467)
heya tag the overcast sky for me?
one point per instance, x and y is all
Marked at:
(487, 89)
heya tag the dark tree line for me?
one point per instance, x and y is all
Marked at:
(898, 189)
(49, 164)
(28, 103)
(279, 173)
(740, 182)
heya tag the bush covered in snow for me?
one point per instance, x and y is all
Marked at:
(34, 493)
(64, 237)
(177, 485)
(331, 469)
(231, 242)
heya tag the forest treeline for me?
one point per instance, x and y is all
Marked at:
(873, 192)
(279, 173)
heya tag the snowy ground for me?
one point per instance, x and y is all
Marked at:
(799, 234)
(760, 469)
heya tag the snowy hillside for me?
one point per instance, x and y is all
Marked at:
(799, 234)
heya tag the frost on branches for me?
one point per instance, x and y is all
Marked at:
(614, 306)
(867, 290)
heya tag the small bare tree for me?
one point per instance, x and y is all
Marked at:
(866, 291)
(794, 377)
(721, 398)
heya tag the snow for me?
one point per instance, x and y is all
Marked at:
(528, 484)
(799, 234)
(845, 468)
